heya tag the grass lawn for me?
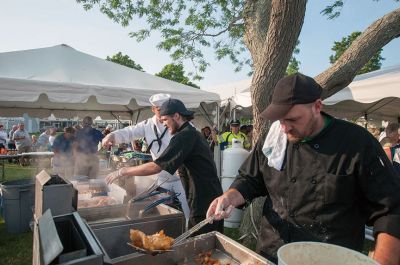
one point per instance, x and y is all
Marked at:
(16, 249)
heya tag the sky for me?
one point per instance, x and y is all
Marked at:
(31, 24)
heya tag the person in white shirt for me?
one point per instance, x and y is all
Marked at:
(158, 137)
(3, 137)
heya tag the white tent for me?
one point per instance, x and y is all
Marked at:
(236, 93)
(375, 95)
(65, 82)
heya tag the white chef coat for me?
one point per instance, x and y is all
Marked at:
(146, 129)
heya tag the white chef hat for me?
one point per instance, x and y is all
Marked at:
(158, 99)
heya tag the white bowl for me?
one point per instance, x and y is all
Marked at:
(316, 253)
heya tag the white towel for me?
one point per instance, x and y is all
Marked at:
(275, 146)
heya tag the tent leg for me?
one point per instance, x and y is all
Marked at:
(217, 150)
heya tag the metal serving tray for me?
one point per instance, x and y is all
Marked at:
(119, 213)
(113, 237)
(222, 247)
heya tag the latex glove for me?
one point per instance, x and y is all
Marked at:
(113, 176)
(108, 140)
(221, 208)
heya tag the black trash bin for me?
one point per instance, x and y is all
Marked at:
(18, 199)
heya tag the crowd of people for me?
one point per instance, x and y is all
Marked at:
(75, 149)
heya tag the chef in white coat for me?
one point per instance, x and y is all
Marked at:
(158, 137)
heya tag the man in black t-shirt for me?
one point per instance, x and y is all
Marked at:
(187, 152)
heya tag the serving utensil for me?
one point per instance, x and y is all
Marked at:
(195, 228)
(147, 251)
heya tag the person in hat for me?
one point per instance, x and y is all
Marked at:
(187, 151)
(225, 139)
(334, 178)
(158, 137)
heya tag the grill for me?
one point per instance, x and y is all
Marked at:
(64, 238)
(113, 237)
(222, 248)
(55, 193)
(120, 213)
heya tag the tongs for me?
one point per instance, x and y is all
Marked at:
(195, 228)
(145, 194)
(147, 251)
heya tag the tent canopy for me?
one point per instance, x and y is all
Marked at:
(375, 95)
(236, 93)
(65, 82)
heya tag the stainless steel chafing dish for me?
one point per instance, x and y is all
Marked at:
(222, 248)
(129, 158)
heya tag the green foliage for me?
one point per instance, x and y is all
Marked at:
(340, 47)
(294, 65)
(186, 27)
(125, 60)
(333, 11)
(175, 73)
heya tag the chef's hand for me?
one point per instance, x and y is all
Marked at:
(114, 176)
(222, 206)
(108, 140)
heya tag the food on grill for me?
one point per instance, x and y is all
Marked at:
(97, 202)
(158, 241)
(91, 191)
(205, 259)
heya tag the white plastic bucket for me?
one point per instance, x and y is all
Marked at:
(316, 253)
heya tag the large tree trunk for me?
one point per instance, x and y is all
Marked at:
(271, 47)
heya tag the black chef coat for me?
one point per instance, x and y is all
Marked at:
(328, 189)
(189, 151)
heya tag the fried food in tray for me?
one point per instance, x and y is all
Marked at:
(97, 202)
(157, 242)
(206, 259)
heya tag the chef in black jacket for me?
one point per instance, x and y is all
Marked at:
(188, 152)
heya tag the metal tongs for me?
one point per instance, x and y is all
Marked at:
(195, 228)
(147, 251)
(151, 191)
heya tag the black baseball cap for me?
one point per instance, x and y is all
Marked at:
(235, 122)
(174, 105)
(291, 90)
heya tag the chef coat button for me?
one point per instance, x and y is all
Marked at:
(293, 180)
(313, 181)
(316, 146)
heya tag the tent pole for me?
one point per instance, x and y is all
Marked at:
(117, 118)
(217, 150)
(137, 116)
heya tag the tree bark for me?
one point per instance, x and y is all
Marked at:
(286, 19)
(343, 71)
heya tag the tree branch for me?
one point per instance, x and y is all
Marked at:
(376, 36)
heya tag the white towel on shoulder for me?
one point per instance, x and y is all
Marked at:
(274, 147)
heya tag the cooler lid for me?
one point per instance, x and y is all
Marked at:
(50, 242)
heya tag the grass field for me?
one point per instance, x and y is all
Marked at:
(16, 249)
